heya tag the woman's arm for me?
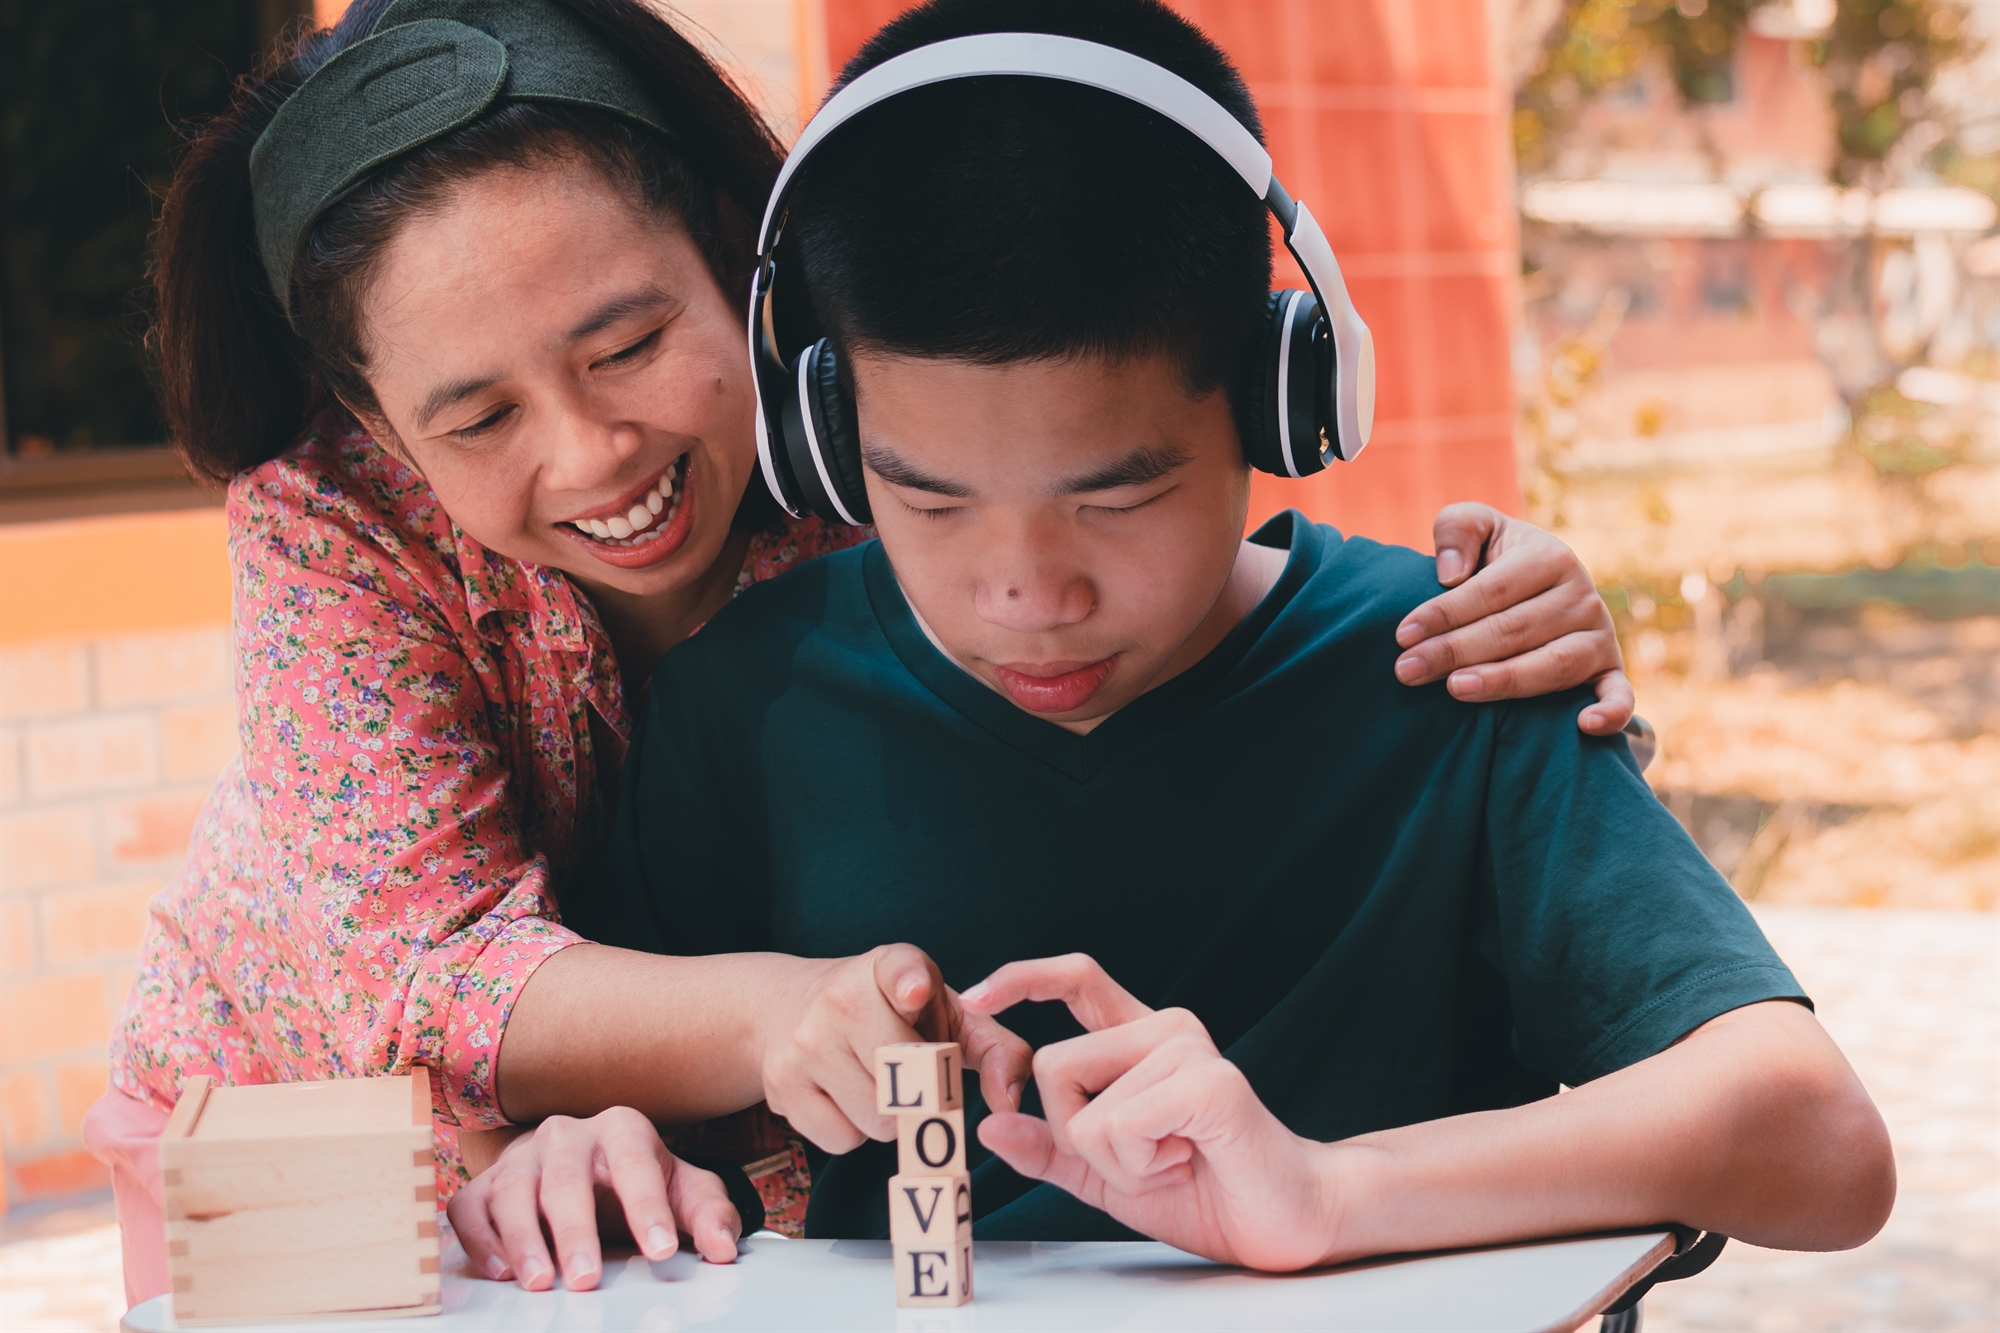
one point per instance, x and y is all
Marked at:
(1522, 618)
(1753, 1125)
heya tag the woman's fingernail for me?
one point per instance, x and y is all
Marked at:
(1463, 683)
(1449, 563)
(532, 1273)
(1409, 669)
(976, 994)
(1409, 634)
(496, 1268)
(1014, 1095)
(581, 1267)
(658, 1241)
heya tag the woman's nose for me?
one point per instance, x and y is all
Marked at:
(586, 453)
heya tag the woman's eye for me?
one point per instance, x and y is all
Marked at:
(485, 424)
(632, 352)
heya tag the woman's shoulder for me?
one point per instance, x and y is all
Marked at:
(793, 541)
(339, 474)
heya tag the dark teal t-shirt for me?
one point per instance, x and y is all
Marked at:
(1387, 906)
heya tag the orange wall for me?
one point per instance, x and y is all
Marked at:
(88, 577)
(1388, 118)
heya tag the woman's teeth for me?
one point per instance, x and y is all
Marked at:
(636, 525)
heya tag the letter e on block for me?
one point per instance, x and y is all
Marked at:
(930, 1231)
(919, 1076)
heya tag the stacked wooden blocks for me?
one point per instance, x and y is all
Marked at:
(930, 1197)
(292, 1200)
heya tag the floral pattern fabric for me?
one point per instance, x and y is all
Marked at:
(431, 734)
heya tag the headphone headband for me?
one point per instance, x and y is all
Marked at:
(1351, 390)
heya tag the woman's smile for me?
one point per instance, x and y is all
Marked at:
(641, 528)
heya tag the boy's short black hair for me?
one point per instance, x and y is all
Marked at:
(1011, 219)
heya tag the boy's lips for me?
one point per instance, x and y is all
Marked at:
(1054, 687)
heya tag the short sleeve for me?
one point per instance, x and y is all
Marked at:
(1615, 935)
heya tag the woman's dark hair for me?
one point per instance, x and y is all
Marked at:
(238, 383)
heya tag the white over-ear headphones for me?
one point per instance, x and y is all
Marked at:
(1313, 398)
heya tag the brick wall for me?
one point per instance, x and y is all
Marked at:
(109, 742)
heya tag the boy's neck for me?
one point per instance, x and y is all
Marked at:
(1251, 578)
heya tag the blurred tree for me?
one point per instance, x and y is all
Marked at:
(1880, 56)
(91, 92)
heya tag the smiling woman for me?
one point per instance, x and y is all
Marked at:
(447, 295)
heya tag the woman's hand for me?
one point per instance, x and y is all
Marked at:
(1522, 618)
(818, 1046)
(583, 1179)
(1148, 1122)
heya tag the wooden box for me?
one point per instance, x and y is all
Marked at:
(301, 1200)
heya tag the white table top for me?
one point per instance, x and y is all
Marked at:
(1021, 1287)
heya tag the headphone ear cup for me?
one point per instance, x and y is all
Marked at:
(1287, 403)
(1260, 408)
(839, 437)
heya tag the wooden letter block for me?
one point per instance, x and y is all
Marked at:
(930, 1231)
(291, 1200)
(919, 1076)
(931, 1144)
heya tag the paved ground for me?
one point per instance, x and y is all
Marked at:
(1914, 999)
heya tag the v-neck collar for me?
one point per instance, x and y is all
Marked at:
(1081, 757)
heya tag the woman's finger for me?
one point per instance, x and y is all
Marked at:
(514, 1205)
(635, 1166)
(701, 1202)
(1459, 535)
(1509, 579)
(1076, 979)
(1002, 1059)
(1613, 709)
(1567, 662)
(912, 985)
(819, 1121)
(475, 1231)
(569, 1204)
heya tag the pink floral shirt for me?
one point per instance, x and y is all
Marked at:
(430, 736)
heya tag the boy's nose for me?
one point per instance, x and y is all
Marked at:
(1034, 602)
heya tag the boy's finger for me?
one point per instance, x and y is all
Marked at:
(701, 1202)
(1613, 709)
(474, 1229)
(1026, 1144)
(1076, 979)
(1459, 535)
(1070, 1074)
(1002, 1060)
(1569, 661)
(635, 1166)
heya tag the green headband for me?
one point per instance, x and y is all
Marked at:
(428, 67)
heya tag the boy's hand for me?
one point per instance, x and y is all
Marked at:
(1148, 1122)
(1522, 618)
(819, 1041)
(568, 1181)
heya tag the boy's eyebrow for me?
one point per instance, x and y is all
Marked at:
(1149, 462)
(897, 470)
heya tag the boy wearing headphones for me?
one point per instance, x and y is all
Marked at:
(1073, 711)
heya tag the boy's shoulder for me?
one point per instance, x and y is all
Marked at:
(1354, 590)
(764, 624)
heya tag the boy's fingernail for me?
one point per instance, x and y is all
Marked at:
(496, 1268)
(658, 1240)
(532, 1272)
(1014, 1096)
(976, 994)
(1409, 669)
(581, 1266)
(1449, 563)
